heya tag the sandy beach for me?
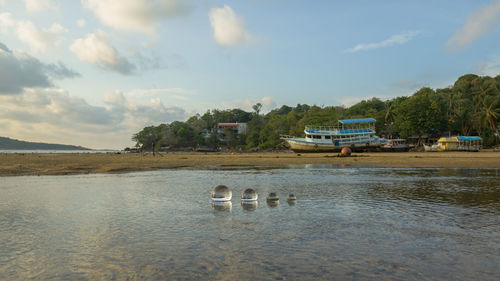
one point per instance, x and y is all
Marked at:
(23, 164)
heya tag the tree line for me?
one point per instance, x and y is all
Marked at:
(471, 106)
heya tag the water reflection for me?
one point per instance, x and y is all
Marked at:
(225, 206)
(272, 203)
(477, 192)
(249, 206)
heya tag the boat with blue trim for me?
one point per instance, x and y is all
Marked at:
(357, 134)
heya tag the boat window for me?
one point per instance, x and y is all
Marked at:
(308, 136)
(316, 137)
(328, 137)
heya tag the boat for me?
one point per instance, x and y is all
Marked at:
(357, 134)
(431, 147)
(460, 143)
(395, 145)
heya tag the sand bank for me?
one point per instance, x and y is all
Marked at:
(20, 164)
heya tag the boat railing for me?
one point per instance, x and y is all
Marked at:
(323, 128)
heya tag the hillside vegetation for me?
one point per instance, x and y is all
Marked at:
(12, 144)
(470, 107)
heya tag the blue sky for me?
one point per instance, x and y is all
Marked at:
(93, 72)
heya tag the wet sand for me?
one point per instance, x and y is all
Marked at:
(21, 164)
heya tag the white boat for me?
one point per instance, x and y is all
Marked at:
(396, 145)
(357, 134)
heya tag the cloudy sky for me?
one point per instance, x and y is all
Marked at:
(93, 72)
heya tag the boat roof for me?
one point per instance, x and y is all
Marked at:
(469, 138)
(356, 121)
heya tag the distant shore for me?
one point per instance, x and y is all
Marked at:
(34, 164)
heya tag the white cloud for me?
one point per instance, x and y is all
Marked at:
(478, 24)
(81, 23)
(53, 115)
(26, 31)
(38, 5)
(407, 85)
(268, 104)
(397, 39)
(136, 15)
(39, 40)
(95, 49)
(6, 22)
(229, 28)
(176, 93)
(490, 68)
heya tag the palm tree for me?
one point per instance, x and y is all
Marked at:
(487, 113)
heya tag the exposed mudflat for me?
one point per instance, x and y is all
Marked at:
(20, 164)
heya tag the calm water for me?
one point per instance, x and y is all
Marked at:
(348, 224)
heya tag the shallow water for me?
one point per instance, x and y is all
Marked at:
(347, 224)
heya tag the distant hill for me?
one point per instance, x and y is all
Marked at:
(12, 144)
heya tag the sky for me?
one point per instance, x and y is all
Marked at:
(94, 72)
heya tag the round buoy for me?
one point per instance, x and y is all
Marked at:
(221, 193)
(346, 151)
(249, 195)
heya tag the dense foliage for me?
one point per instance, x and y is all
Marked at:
(470, 107)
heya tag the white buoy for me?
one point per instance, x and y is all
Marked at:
(221, 193)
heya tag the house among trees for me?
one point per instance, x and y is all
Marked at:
(235, 128)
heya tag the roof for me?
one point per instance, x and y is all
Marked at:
(460, 138)
(469, 138)
(228, 124)
(356, 131)
(356, 121)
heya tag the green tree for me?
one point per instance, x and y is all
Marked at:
(150, 137)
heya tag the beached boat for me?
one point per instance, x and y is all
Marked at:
(460, 143)
(357, 134)
(395, 145)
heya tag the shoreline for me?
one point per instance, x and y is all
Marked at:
(36, 164)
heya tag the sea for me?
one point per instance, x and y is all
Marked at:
(348, 223)
(43, 151)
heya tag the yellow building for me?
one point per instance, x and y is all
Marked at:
(460, 143)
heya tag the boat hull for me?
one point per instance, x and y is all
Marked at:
(307, 147)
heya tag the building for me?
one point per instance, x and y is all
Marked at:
(236, 128)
